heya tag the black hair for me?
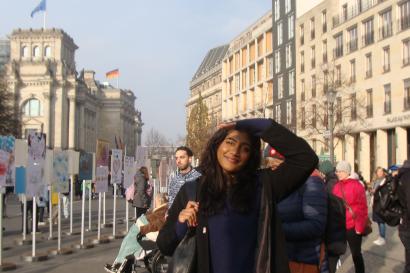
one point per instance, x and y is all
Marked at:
(186, 149)
(214, 190)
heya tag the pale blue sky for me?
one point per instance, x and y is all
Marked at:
(157, 45)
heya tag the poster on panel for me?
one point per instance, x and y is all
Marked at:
(101, 179)
(60, 172)
(73, 162)
(7, 144)
(86, 166)
(4, 166)
(141, 156)
(20, 187)
(102, 153)
(129, 171)
(35, 165)
(116, 166)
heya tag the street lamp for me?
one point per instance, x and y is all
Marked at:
(331, 97)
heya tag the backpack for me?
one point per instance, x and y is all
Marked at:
(335, 231)
(386, 203)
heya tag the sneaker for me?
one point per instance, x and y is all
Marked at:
(112, 268)
(380, 241)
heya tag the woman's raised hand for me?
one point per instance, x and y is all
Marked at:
(189, 214)
(228, 125)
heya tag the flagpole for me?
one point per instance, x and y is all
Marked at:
(44, 20)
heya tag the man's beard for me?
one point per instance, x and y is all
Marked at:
(184, 168)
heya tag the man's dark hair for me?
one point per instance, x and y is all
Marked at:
(186, 149)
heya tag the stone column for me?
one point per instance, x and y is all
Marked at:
(401, 150)
(365, 156)
(47, 118)
(71, 122)
(81, 126)
(349, 156)
(381, 150)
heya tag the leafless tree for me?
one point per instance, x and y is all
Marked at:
(9, 114)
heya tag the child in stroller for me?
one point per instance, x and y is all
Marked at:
(146, 226)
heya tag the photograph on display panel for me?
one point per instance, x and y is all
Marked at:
(35, 165)
(101, 179)
(116, 166)
(102, 153)
(60, 171)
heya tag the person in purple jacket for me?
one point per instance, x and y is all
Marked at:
(235, 216)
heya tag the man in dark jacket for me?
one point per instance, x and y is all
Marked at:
(404, 195)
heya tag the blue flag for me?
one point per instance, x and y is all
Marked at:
(40, 7)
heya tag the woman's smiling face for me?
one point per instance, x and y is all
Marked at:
(234, 151)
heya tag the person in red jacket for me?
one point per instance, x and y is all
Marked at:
(354, 196)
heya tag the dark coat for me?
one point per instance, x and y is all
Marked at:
(404, 193)
(140, 196)
(304, 215)
(271, 255)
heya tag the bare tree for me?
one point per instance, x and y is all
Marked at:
(333, 109)
(9, 115)
(157, 144)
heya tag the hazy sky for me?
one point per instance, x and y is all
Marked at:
(157, 45)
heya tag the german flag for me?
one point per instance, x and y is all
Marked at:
(113, 74)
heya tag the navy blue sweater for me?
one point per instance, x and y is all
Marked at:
(303, 215)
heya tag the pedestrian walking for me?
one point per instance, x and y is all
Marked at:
(403, 177)
(378, 180)
(354, 196)
(236, 224)
(140, 201)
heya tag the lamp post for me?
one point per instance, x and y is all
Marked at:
(331, 97)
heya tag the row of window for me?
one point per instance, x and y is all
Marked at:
(386, 61)
(387, 106)
(289, 114)
(288, 58)
(291, 29)
(36, 52)
(277, 8)
(312, 28)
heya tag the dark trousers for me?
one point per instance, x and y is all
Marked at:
(355, 244)
(29, 226)
(140, 211)
(332, 260)
(404, 235)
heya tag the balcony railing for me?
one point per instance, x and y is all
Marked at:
(338, 52)
(403, 23)
(368, 38)
(387, 107)
(386, 30)
(406, 103)
(369, 111)
(352, 45)
(353, 11)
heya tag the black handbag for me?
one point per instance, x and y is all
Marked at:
(184, 258)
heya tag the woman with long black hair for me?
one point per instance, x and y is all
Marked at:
(235, 218)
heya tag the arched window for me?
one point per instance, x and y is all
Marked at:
(32, 108)
(47, 52)
(24, 51)
(36, 52)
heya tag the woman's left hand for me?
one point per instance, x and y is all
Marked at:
(227, 125)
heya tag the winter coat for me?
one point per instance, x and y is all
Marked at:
(376, 185)
(404, 193)
(304, 215)
(355, 197)
(140, 199)
(270, 254)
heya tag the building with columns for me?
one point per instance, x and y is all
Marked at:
(365, 44)
(247, 73)
(207, 82)
(72, 109)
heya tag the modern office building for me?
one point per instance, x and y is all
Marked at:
(73, 110)
(247, 73)
(353, 64)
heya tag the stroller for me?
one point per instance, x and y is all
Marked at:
(154, 261)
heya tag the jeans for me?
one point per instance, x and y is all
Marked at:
(404, 235)
(382, 230)
(355, 244)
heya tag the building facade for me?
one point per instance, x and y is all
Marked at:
(207, 83)
(284, 75)
(353, 67)
(73, 110)
(4, 52)
(247, 73)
